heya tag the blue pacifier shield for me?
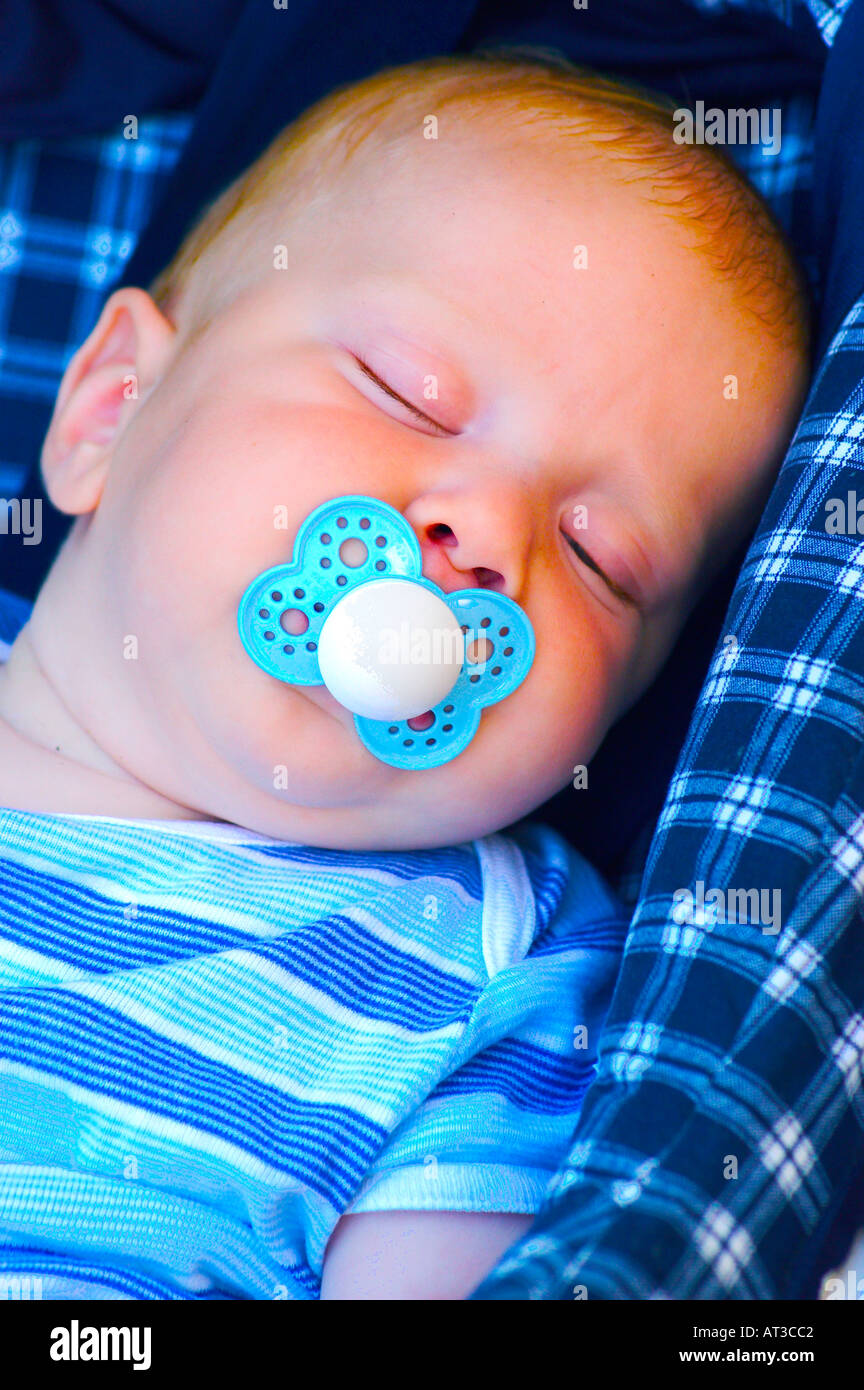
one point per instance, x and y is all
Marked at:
(414, 664)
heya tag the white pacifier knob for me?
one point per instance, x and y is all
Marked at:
(390, 649)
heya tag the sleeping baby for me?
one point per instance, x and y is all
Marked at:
(283, 1017)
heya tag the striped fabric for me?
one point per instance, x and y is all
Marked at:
(212, 1044)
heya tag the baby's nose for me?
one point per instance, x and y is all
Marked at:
(448, 574)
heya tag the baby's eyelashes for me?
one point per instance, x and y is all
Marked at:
(394, 395)
(614, 588)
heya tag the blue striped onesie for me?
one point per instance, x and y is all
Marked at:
(213, 1044)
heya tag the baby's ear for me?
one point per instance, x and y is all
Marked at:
(102, 386)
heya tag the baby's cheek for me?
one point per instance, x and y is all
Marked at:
(574, 712)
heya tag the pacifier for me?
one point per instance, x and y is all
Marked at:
(352, 611)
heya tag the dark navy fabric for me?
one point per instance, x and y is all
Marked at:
(838, 201)
(80, 67)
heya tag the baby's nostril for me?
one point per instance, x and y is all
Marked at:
(487, 579)
(442, 533)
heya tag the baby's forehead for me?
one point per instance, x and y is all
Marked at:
(407, 175)
(494, 181)
(468, 134)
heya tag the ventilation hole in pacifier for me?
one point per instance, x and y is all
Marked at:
(299, 593)
(408, 742)
(268, 636)
(325, 538)
(319, 607)
(288, 649)
(276, 596)
(263, 612)
(447, 728)
(394, 729)
(365, 523)
(380, 565)
(473, 679)
(484, 622)
(293, 620)
(353, 552)
(502, 631)
(380, 541)
(479, 650)
(448, 709)
(508, 651)
(326, 563)
(342, 521)
(421, 722)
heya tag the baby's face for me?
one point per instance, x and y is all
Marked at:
(560, 387)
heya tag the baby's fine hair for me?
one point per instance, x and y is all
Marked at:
(628, 128)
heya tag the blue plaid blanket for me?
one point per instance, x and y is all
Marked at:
(725, 1126)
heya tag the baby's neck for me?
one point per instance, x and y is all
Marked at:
(50, 763)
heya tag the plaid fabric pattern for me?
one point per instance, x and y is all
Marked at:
(785, 179)
(828, 14)
(71, 212)
(728, 1112)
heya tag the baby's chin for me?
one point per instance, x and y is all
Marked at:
(312, 756)
(318, 785)
(381, 823)
(304, 776)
